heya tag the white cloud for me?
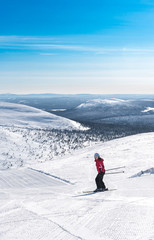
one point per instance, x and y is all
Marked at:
(41, 43)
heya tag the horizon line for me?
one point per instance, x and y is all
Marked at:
(76, 93)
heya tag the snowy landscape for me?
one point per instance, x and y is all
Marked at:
(46, 165)
(77, 120)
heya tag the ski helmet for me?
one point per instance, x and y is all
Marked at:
(96, 155)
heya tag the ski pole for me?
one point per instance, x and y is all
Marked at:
(115, 168)
(115, 172)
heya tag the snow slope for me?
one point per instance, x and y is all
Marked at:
(100, 102)
(18, 115)
(24, 146)
(30, 135)
(45, 202)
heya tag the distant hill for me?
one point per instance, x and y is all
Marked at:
(113, 110)
(18, 115)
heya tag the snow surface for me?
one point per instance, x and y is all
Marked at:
(148, 109)
(18, 115)
(58, 110)
(98, 102)
(44, 201)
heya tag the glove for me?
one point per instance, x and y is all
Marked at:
(100, 170)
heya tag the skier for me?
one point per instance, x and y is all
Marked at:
(101, 171)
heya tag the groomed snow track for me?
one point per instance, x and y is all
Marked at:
(36, 206)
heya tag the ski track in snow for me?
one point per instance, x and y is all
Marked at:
(39, 203)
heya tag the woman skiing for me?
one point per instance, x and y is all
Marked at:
(101, 171)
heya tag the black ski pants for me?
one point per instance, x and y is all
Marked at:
(99, 180)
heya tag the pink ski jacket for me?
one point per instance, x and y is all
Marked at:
(100, 165)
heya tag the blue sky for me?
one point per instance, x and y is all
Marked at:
(79, 46)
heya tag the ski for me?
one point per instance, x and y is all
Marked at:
(87, 193)
(98, 191)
